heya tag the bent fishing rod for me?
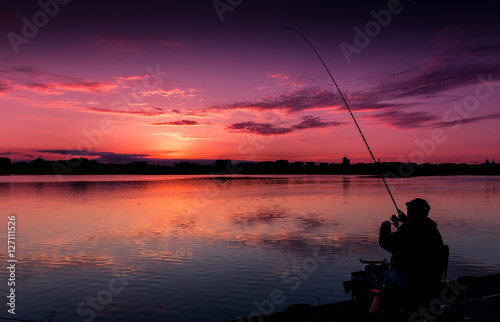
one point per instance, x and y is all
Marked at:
(347, 105)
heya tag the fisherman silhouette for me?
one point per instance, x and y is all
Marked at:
(416, 248)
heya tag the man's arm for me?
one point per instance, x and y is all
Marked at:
(387, 239)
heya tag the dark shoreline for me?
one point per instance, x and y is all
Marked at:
(82, 166)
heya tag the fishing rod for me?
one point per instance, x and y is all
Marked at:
(347, 105)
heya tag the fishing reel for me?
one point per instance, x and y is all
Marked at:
(401, 218)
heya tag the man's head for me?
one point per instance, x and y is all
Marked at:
(418, 209)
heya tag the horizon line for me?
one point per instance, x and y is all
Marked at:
(205, 161)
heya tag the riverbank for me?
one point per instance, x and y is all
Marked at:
(232, 167)
(466, 298)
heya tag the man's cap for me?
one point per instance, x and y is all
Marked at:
(419, 204)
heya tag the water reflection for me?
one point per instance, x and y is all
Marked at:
(186, 236)
(4, 187)
(78, 187)
(261, 216)
(490, 191)
(346, 185)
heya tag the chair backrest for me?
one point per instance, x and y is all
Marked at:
(445, 254)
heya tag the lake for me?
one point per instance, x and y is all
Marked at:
(198, 248)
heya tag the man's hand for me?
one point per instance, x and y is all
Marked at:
(402, 217)
(386, 224)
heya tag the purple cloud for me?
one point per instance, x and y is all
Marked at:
(314, 122)
(292, 101)
(258, 128)
(28, 70)
(405, 120)
(451, 68)
(469, 120)
(308, 122)
(4, 87)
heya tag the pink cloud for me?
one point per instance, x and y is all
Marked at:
(58, 88)
(151, 111)
(63, 104)
(5, 87)
(287, 80)
(174, 92)
(278, 76)
(181, 136)
(33, 79)
(131, 78)
(93, 87)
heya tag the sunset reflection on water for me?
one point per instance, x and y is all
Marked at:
(205, 248)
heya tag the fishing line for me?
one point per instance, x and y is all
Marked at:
(347, 105)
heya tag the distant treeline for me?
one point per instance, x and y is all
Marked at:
(224, 167)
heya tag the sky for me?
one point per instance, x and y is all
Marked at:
(122, 81)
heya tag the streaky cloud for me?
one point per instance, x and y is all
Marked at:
(4, 87)
(291, 101)
(105, 157)
(464, 121)
(314, 122)
(308, 122)
(405, 120)
(150, 111)
(258, 128)
(180, 122)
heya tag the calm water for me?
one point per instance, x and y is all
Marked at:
(192, 248)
